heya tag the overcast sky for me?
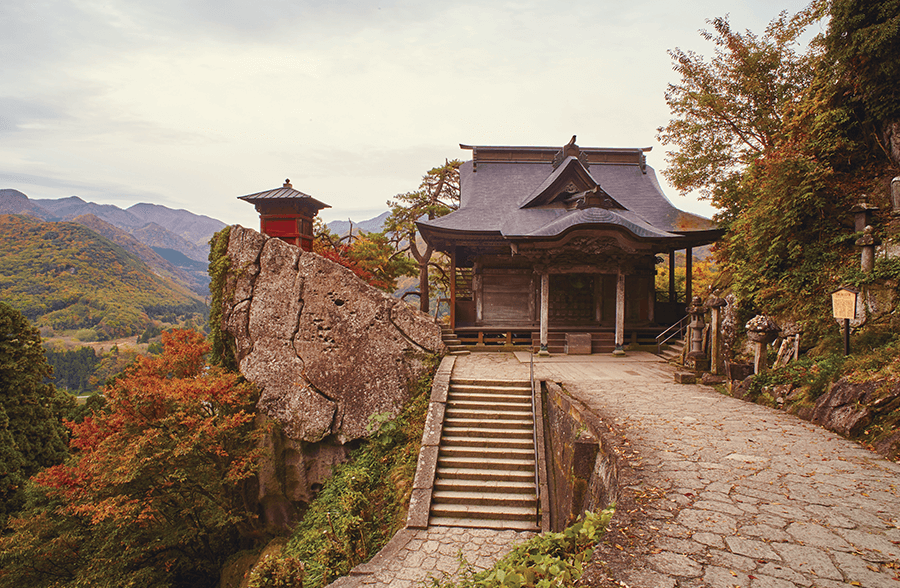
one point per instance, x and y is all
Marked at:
(191, 103)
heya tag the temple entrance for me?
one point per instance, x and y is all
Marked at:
(575, 299)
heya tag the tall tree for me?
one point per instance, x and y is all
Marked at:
(731, 110)
(437, 196)
(31, 432)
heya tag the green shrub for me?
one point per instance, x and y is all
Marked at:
(277, 572)
(546, 560)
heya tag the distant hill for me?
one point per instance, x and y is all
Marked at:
(15, 202)
(64, 275)
(373, 225)
(195, 228)
(151, 224)
(181, 270)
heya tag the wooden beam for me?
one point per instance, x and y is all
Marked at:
(688, 275)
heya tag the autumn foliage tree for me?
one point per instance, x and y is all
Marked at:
(370, 256)
(158, 489)
(771, 133)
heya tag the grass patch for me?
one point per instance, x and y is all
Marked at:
(546, 560)
(365, 501)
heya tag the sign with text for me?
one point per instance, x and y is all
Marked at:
(843, 303)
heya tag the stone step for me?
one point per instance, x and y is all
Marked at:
(472, 511)
(526, 465)
(452, 348)
(491, 383)
(489, 423)
(486, 452)
(462, 352)
(483, 523)
(484, 475)
(488, 432)
(484, 499)
(486, 416)
(488, 404)
(505, 486)
(501, 442)
(457, 395)
(452, 342)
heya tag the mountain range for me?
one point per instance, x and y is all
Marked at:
(174, 243)
(65, 276)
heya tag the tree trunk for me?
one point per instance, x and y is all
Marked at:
(424, 294)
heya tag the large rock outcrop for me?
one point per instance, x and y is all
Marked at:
(332, 356)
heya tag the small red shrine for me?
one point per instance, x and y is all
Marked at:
(286, 213)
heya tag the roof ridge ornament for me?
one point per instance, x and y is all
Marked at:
(573, 150)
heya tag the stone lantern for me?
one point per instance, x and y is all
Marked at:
(761, 330)
(867, 243)
(696, 359)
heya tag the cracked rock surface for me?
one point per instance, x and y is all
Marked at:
(332, 355)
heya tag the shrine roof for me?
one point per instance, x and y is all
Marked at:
(286, 192)
(529, 192)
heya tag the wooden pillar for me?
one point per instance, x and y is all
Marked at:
(598, 297)
(453, 288)
(545, 311)
(478, 292)
(688, 275)
(651, 299)
(673, 295)
(620, 314)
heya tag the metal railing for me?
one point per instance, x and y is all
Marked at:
(534, 417)
(678, 329)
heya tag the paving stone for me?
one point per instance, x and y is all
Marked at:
(764, 532)
(867, 574)
(783, 572)
(709, 539)
(647, 578)
(675, 564)
(731, 561)
(760, 581)
(715, 505)
(865, 541)
(751, 548)
(682, 546)
(708, 521)
(817, 536)
(807, 560)
(725, 578)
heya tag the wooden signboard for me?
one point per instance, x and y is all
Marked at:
(843, 303)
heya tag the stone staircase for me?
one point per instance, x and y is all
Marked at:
(673, 351)
(452, 342)
(485, 474)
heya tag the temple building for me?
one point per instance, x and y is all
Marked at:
(557, 244)
(286, 213)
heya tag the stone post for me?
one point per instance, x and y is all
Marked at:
(620, 314)
(545, 312)
(716, 306)
(696, 359)
(761, 330)
(868, 242)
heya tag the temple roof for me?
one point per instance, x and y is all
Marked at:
(523, 193)
(286, 192)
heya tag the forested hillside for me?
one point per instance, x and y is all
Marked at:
(64, 276)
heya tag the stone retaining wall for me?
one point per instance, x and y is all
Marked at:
(582, 472)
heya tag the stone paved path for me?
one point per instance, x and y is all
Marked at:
(730, 493)
(737, 494)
